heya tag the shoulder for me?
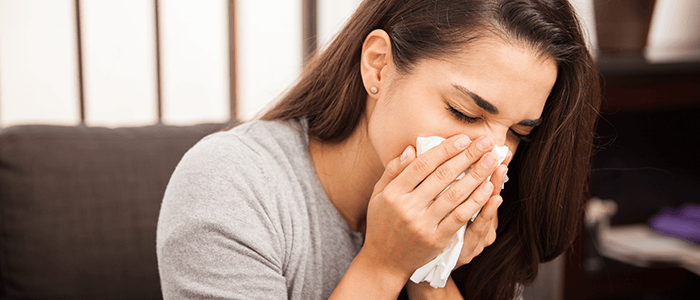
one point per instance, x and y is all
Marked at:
(228, 185)
(250, 171)
(247, 152)
(251, 138)
(257, 140)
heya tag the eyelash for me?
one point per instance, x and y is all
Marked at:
(471, 120)
(462, 117)
(523, 138)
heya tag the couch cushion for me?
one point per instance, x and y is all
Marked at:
(79, 207)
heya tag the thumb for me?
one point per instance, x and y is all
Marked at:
(395, 167)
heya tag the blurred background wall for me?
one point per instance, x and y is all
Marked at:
(179, 62)
(182, 71)
(123, 68)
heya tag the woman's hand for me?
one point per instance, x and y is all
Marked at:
(406, 228)
(476, 238)
(482, 232)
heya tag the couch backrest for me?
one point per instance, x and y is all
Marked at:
(79, 208)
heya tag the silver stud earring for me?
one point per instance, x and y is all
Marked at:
(373, 90)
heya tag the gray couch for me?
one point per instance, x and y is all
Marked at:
(79, 208)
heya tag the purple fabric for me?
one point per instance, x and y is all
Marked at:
(683, 223)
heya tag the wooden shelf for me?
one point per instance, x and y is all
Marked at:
(635, 66)
(633, 84)
(643, 103)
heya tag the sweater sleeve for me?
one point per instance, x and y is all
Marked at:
(216, 239)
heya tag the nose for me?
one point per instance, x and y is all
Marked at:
(499, 135)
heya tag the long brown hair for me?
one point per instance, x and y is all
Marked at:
(537, 221)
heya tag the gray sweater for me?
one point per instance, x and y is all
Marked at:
(245, 217)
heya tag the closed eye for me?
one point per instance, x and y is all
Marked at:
(523, 138)
(460, 116)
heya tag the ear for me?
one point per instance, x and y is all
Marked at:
(376, 56)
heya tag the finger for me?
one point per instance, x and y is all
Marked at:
(495, 221)
(509, 157)
(483, 222)
(488, 219)
(463, 212)
(395, 167)
(481, 232)
(500, 174)
(463, 188)
(498, 178)
(446, 173)
(427, 162)
(490, 237)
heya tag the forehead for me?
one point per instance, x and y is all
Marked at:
(496, 70)
(507, 55)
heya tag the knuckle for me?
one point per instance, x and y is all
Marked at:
(412, 226)
(467, 255)
(389, 195)
(433, 242)
(407, 221)
(475, 175)
(481, 172)
(392, 199)
(445, 151)
(445, 173)
(491, 238)
(453, 194)
(422, 165)
(461, 216)
(480, 198)
(393, 169)
(473, 153)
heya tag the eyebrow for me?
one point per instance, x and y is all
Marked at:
(485, 105)
(490, 108)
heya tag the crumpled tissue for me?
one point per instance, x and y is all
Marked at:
(437, 271)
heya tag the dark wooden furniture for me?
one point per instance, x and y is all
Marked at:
(648, 137)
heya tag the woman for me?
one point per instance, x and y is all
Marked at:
(325, 197)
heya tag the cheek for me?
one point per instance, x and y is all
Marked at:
(386, 146)
(388, 133)
(404, 115)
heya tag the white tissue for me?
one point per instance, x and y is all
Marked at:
(437, 271)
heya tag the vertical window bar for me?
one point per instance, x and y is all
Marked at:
(159, 96)
(232, 59)
(308, 31)
(81, 94)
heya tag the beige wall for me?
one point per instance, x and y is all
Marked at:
(38, 65)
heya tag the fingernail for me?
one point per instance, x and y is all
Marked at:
(488, 161)
(404, 154)
(484, 143)
(499, 203)
(487, 188)
(503, 173)
(462, 142)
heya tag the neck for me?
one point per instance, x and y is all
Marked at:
(348, 171)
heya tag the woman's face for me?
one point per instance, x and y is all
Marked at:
(492, 88)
